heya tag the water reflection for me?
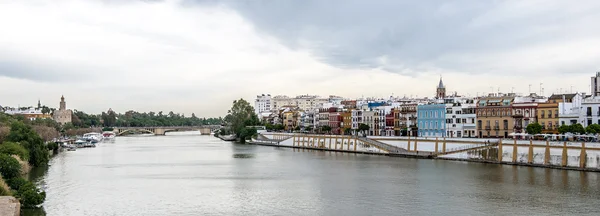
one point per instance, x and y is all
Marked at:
(194, 175)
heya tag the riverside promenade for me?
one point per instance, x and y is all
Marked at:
(557, 155)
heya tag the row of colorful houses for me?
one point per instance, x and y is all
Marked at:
(493, 116)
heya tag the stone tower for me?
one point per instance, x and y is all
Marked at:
(441, 90)
(63, 104)
(62, 115)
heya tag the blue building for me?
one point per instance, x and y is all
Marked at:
(431, 120)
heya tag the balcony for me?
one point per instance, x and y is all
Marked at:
(549, 115)
(555, 115)
(488, 127)
(496, 127)
(518, 127)
(589, 114)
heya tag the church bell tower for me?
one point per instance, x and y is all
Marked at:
(441, 90)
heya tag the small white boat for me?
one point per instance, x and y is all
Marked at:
(93, 137)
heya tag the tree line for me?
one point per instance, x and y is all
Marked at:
(81, 119)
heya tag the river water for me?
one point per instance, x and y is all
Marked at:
(189, 174)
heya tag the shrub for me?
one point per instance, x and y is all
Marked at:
(9, 167)
(4, 189)
(24, 135)
(108, 129)
(17, 183)
(52, 146)
(31, 197)
(12, 148)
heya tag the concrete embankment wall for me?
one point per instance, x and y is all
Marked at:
(538, 153)
(325, 142)
(9, 206)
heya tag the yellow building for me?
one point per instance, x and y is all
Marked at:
(290, 117)
(397, 122)
(494, 116)
(346, 120)
(547, 116)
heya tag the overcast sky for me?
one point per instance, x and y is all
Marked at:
(199, 55)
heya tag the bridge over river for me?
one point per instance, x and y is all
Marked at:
(204, 129)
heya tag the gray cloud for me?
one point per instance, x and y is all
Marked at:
(36, 72)
(416, 36)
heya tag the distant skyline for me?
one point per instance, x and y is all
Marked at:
(197, 56)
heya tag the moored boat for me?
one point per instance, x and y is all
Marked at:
(93, 137)
(108, 135)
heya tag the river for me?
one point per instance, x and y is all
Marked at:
(189, 174)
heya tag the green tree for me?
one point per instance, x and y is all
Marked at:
(577, 129)
(563, 129)
(24, 135)
(534, 128)
(9, 167)
(593, 129)
(363, 128)
(279, 127)
(325, 129)
(29, 195)
(239, 116)
(309, 128)
(348, 131)
(12, 148)
(297, 128)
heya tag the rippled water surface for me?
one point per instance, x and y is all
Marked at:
(186, 174)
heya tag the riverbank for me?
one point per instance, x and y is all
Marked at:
(542, 154)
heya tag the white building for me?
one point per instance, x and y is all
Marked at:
(304, 102)
(570, 108)
(357, 118)
(595, 84)
(590, 111)
(461, 117)
(262, 104)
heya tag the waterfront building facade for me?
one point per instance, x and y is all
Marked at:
(357, 119)
(431, 120)
(547, 116)
(569, 107)
(409, 118)
(461, 117)
(590, 111)
(523, 114)
(346, 121)
(62, 115)
(389, 124)
(262, 103)
(494, 116)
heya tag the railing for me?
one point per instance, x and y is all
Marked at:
(488, 128)
(496, 127)
(466, 148)
(384, 146)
